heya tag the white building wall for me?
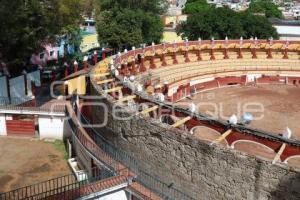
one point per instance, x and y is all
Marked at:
(288, 32)
(51, 128)
(2, 125)
(35, 77)
(3, 87)
(289, 38)
(17, 87)
(121, 195)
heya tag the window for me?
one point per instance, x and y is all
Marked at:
(51, 53)
(42, 55)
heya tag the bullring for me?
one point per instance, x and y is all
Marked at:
(169, 151)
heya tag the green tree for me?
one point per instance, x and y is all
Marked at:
(127, 23)
(267, 7)
(196, 6)
(153, 6)
(217, 23)
(222, 22)
(257, 26)
(29, 24)
(120, 28)
(89, 8)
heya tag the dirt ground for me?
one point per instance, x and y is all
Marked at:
(274, 107)
(29, 161)
(277, 107)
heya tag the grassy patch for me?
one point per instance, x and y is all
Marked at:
(60, 146)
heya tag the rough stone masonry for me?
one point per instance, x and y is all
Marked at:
(196, 168)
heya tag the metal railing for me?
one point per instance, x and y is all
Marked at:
(47, 188)
(166, 191)
(91, 149)
(66, 187)
(220, 122)
(48, 105)
(4, 101)
(25, 101)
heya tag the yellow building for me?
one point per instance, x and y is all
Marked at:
(171, 36)
(170, 22)
(89, 41)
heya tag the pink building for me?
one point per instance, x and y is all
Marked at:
(50, 53)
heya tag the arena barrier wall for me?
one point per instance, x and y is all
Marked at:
(205, 171)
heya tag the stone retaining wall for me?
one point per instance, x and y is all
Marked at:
(203, 171)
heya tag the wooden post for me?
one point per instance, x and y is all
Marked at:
(142, 65)
(163, 59)
(240, 54)
(148, 110)
(152, 63)
(133, 68)
(116, 89)
(105, 81)
(222, 137)
(101, 75)
(127, 98)
(254, 55)
(187, 59)
(226, 53)
(285, 55)
(175, 61)
(279, 153)
(270, 48)
(181, 122)
(270, 53)
(199, 57)
(212, 54)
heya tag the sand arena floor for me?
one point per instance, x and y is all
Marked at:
(274, 107)
(29, 161)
